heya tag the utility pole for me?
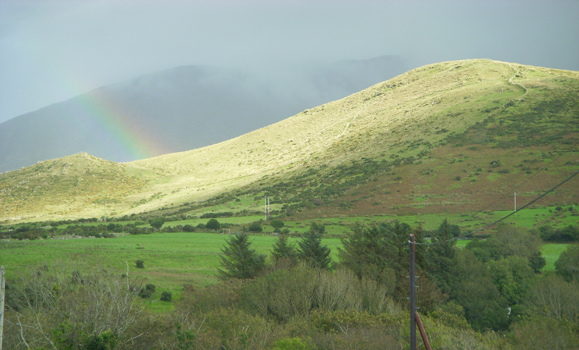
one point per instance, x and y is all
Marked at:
(414, 316)
(2, 297)
(515, 202)
(105, 210)
(266, 207)
(412, 293)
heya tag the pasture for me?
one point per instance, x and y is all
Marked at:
(171, 260)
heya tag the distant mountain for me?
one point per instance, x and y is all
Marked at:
(444, 138)
(181, 109)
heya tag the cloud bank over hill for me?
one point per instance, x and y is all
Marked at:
(53, 50)
(181, 109)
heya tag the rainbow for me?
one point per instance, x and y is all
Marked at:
(131, 135)
(116, 122)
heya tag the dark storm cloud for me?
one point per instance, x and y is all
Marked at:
(53, 50)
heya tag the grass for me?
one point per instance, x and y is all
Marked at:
(551, 253)
(171, 259)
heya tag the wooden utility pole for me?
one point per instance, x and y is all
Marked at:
(2, 297)
(266, 207)
(126, 262)
(412, 293)
(414, 316)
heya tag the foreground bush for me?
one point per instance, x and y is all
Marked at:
(66, 307)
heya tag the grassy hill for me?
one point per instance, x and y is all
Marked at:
(447, 137)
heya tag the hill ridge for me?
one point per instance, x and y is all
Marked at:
(406, 117)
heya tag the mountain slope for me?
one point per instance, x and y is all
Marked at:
(180, 109)
(410, 137)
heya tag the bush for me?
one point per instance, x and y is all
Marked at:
(277, 223)
(166, 296)
(255, 227)
(213, 224)
(140, 264)
(188, 228)
(291, 344)
(148, 291)
(157, 223)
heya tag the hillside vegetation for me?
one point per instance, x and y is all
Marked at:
(446, 137)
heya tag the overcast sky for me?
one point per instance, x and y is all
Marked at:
(53, 50)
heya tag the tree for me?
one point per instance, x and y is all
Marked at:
(537, 262)
(239, 260)
(484, 307)
(157, 223)
(568, 264)
(283, 250)
(442, 255)
(276, 224)
(313, 252)
(213, 224)
(188, 228)
(319, 228)
(380, 249)
(513, 277)
(508, 241)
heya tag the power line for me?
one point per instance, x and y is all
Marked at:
(504, 217)
(531, 177)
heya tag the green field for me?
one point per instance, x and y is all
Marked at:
(551, 253)
(171, 259)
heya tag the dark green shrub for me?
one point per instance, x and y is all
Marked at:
(140, 264)
(166, 296)
(277, 223)
(213, 224)
(255, 227)
(148, 291)
(188, 228)
(157, 223)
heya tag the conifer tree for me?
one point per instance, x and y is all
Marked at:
(239, 260)
(282, 249)
(313, 252)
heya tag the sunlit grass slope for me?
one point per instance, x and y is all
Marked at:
(432, 113)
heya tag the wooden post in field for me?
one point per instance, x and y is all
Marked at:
(126, 262)
(2, 297)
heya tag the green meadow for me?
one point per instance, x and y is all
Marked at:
(551, 253)
(171, 259)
